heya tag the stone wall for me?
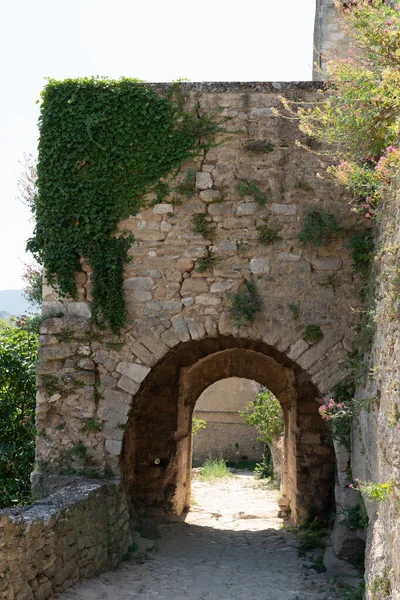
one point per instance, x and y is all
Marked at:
(73, 534)
(329, 37)
(226, 434)
(88, 380)
(376, 433)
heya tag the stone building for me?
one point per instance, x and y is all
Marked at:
(226, 435)
(140, 389)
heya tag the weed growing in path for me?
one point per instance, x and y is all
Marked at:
(214, 468)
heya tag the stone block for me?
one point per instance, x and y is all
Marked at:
(139, 283)
(288, 257)
(196, 329)
(246, 208)
(283, 209)
(180, 328)
(210, 195)
(317, 351)
(297, 349)
(220, 287)
(163, 209)
(192, 286)
(204, 181)
(113, 447)
(133, 371)
(327, 263)
(128, 385)
(259, 266)
(208, 300)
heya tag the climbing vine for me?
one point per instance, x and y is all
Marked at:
(103, 144)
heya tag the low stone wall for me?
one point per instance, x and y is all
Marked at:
(73, 534)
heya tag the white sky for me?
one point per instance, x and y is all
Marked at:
(211, 40)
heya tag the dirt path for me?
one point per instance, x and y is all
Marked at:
(231, 547)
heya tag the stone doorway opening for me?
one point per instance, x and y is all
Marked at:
(156, 457)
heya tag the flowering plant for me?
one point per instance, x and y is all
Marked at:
(375, 492)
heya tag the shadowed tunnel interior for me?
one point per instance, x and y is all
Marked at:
(156, 457)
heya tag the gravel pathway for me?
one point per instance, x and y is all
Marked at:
(230, 547)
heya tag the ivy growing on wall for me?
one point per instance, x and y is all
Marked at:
(103, 144)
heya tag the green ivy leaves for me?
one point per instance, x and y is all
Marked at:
(103, 144)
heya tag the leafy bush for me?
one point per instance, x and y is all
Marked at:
(312, 334)
(318, 227)
(356, 517)
(266, 235)
(214, 468)
(18, 354)
(197, 425)
(207, 262)
(201, 226)
(265, 414)
(245, 304)
(312, 535)
(250, 188)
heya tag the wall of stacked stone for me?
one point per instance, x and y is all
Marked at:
(376, 432)
(78, 531)
(87, 379)
(226, 434)
(329, 38)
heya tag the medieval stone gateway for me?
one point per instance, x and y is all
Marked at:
(121, 407)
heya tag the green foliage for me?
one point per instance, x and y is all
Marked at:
(250, 188)
(214, 468)
(356, 593)
(188, 186)
(207, 262)
(33, 278)
(92, 425)
(317, 227)
(312, 334)
(358, 118)
(103, 144)
(201, 226)
(18, 354)
(265, 468)
(356, 517)
(295, 310)
(245, 304)
(312, 535)
(197, 425)
(381, 584)
(266, 235)
(265, 414)
(362, 248)
(374, 492)
(317, 563)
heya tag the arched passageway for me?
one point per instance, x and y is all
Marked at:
(156, 457)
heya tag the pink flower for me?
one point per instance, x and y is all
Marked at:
(356, 479)
(367, 206)
(390, 149)
(340, 406)
(368, 216)
(351, 485)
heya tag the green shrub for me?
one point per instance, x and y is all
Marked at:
(356, 517)
(214, 468)
(362, 248)
(245, 304)
(266, 235)
(207, 262)
(250, 188)
(198, 425)
(295, 310)
(317, 227)
(18, 355)
(188, 187)
(313, 334)
(201, 226)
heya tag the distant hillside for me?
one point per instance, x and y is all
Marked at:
(13, 303)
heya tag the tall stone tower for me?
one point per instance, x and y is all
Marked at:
(329, 38)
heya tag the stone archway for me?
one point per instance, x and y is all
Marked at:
(156, 457)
